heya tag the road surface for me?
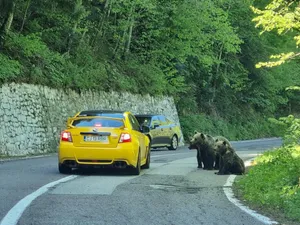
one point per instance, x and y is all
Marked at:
(172, 191)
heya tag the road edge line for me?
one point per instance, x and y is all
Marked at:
(230, 196)
(15, 213)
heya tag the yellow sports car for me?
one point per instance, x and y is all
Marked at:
(99, 138)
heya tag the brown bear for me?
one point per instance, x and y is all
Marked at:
(219, 138)
(194, 145)
(230, 162)
(205, 149)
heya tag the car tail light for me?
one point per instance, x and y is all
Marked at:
(125, 137)
(66, 136)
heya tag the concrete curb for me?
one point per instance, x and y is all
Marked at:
(26, 157)
(227, 188)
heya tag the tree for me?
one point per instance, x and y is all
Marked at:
(6, 18)
(282, 16)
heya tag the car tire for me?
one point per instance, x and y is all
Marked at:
(137, 170)
(64, 169)
(147, 165)
(174, 143)
(150, 141)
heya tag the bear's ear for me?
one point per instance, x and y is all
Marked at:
(217, 140)
(202, 135)
(224, 143)
(196, 132)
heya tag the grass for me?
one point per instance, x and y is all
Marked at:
(272, 184)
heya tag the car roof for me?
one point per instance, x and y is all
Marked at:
(147, 115)
(98, 112)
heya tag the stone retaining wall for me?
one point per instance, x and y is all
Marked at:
(33, 116)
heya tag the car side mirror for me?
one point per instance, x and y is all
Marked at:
(145, 129)
(155, 126)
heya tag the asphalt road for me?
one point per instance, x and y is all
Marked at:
(172, 191)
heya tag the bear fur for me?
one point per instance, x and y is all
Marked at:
(219, 138)
(230, 162)
(205, 150)
(194, 145)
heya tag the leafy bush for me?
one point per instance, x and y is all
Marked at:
(247, 128)
(274, 181)
(40, 64)
(9, 69)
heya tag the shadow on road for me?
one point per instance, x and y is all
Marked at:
(101, 172)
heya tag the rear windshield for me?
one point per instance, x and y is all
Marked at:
(97, 122)
(113, 115)
(144, 120)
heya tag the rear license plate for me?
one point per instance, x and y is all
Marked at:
(103, 139)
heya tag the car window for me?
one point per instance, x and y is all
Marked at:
(162, 119)
(155, 120)
(97, 122)
(113, 115)
(169, 121)
(144, 120)
(134, 123)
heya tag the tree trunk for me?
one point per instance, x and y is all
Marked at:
(128, 31)
(214, 80)
(4, 29)
(217, 73)
(129, 37)
(25, 15)
(100, 25)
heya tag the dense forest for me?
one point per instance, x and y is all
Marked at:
(201, 52)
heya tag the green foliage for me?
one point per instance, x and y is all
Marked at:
(9, 69)
(41, 65)
(202, 53)
(283, 17)
(274, 182)
(249, 128)
(291, 125)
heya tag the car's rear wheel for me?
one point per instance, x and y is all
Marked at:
(147, 165)
(62, 168)
(137, 170)
(174, 143)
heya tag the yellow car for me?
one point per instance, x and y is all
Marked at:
(163, 132)
(99, 138)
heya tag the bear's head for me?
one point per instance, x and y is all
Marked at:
(221, 147)
(197, 140)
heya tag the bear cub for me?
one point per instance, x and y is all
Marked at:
(230, 162)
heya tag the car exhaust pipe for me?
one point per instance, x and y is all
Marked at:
(120, 165)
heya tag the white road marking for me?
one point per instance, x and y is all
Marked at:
(229, 194)
(170, 168)
(13, 215)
